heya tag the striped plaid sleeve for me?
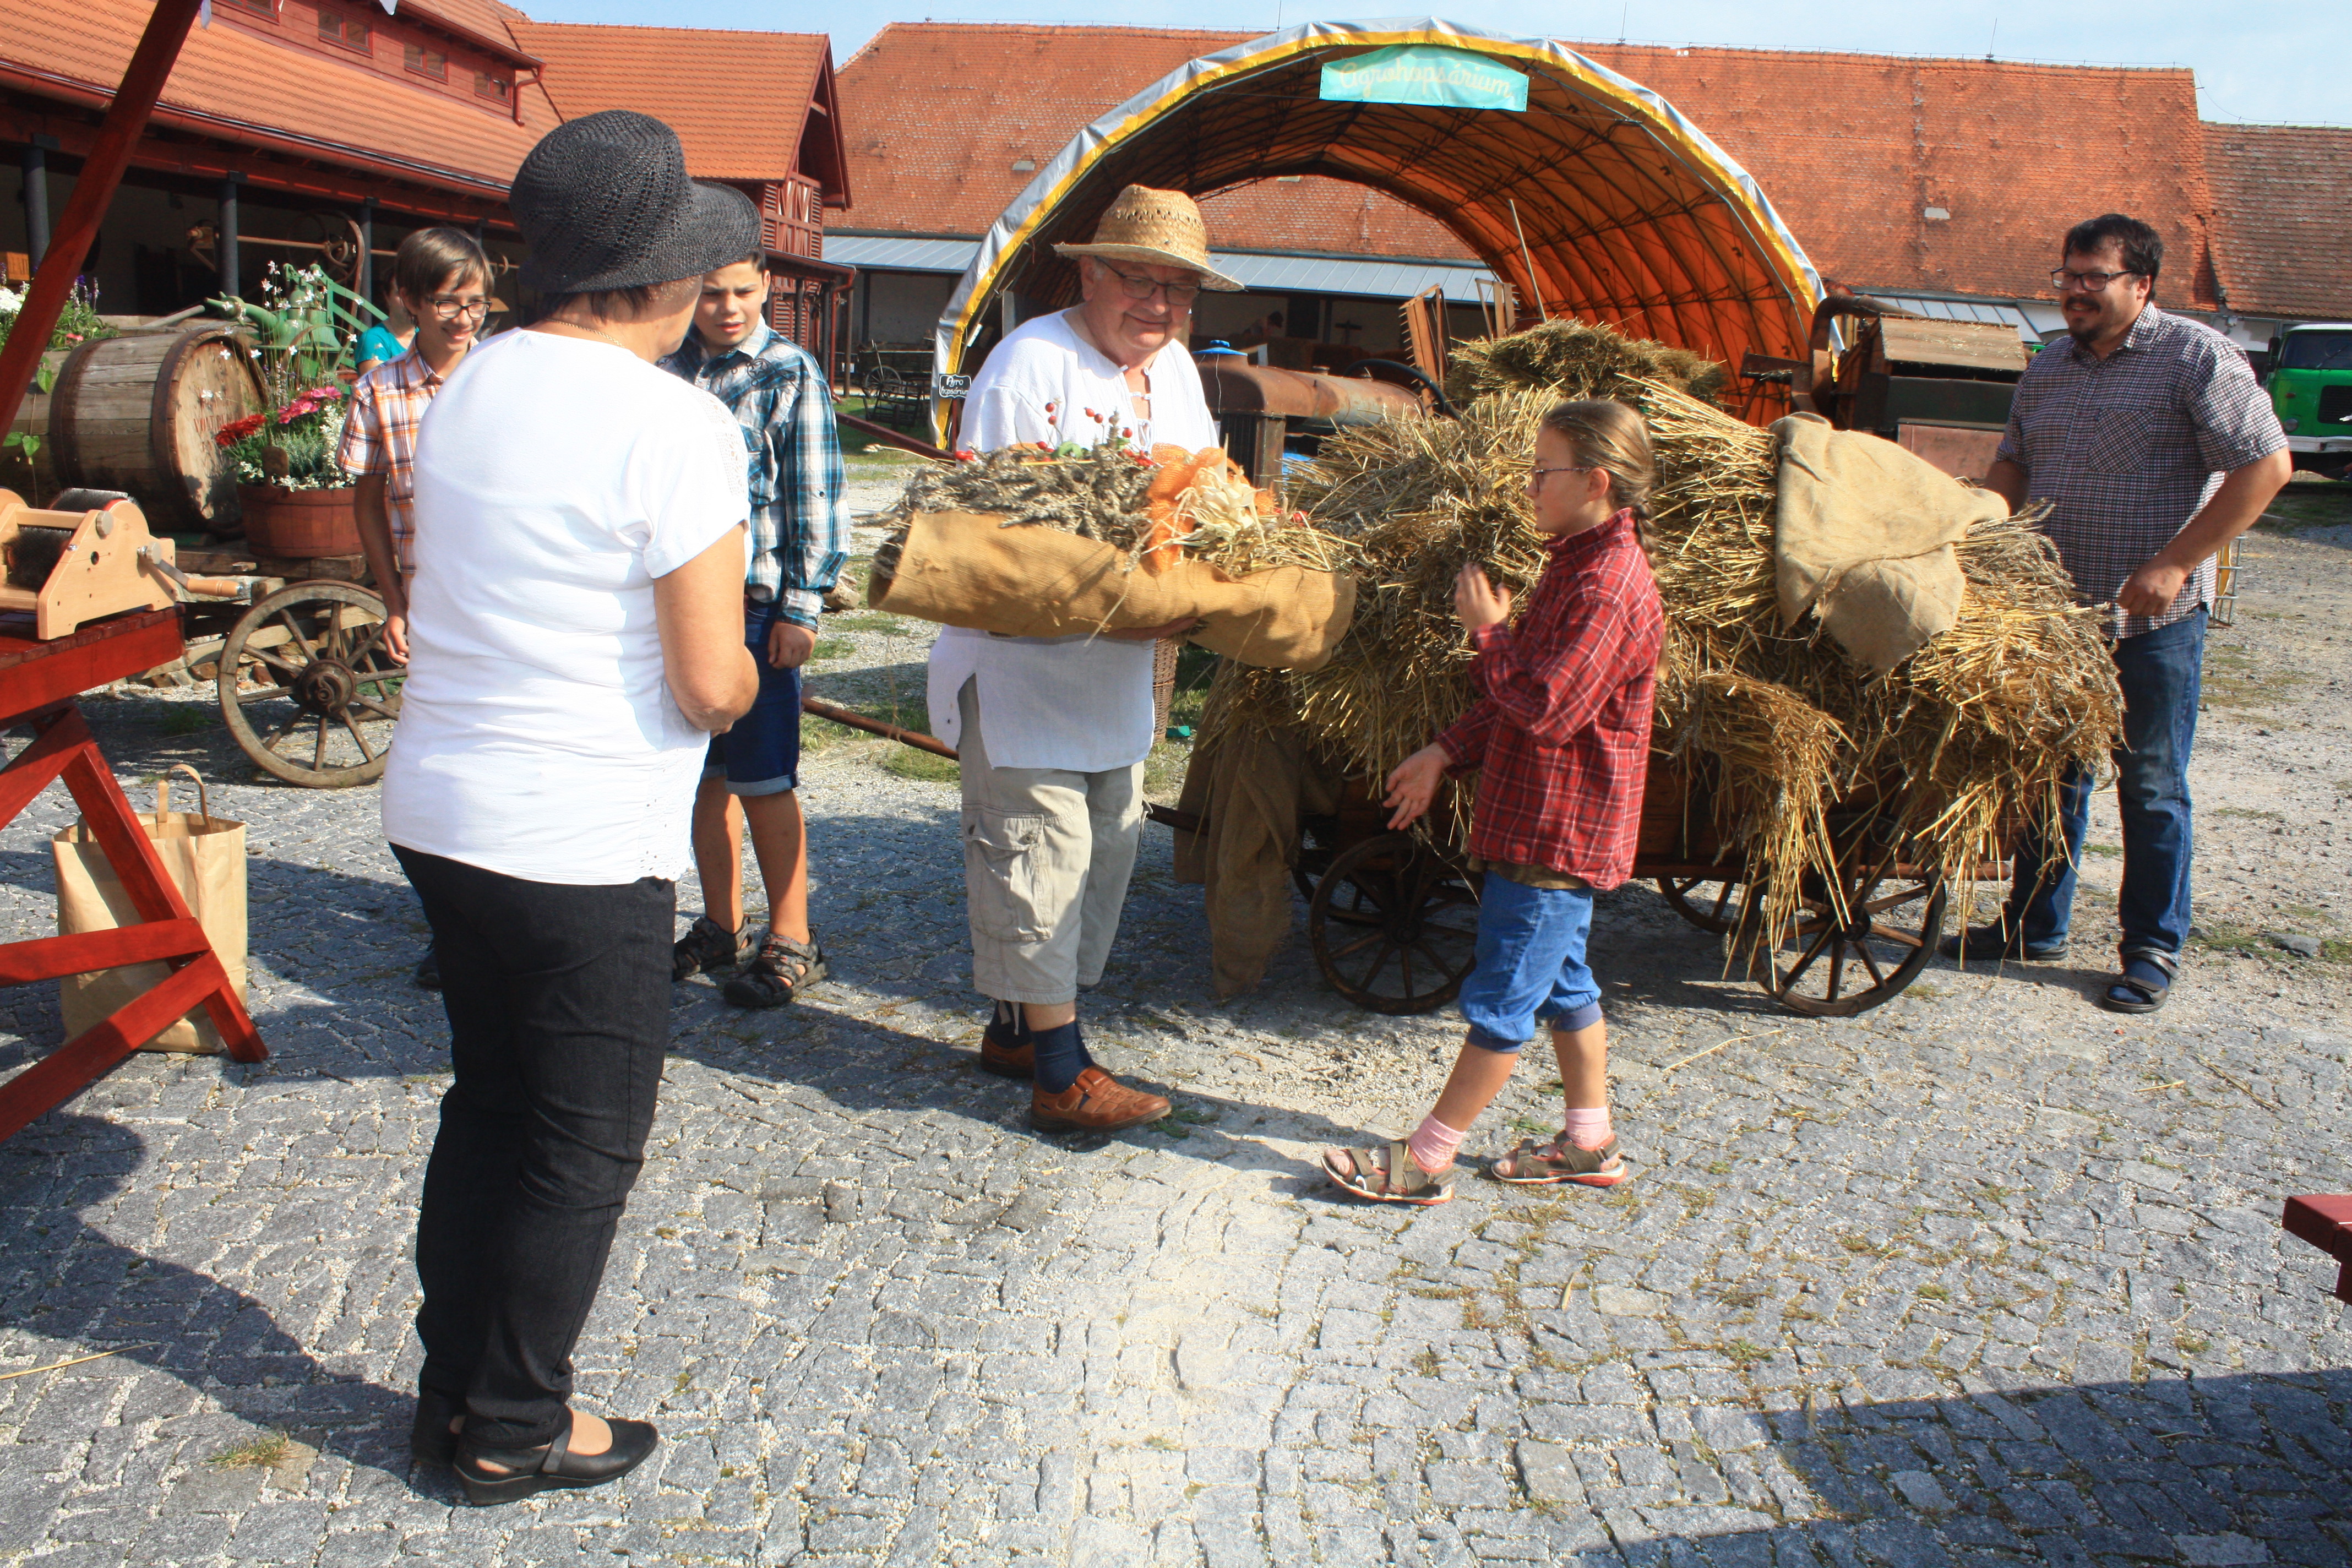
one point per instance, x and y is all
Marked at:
(362, 449)
(815, 512)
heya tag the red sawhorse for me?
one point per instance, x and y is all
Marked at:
(39, 683)
(2325, 1220)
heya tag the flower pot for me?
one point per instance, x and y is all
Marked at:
(299, 524)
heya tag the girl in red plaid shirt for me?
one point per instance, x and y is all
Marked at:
(1560, 738)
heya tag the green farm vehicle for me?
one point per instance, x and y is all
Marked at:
(2310, 383)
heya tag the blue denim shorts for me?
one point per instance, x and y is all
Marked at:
(761, 754)
(1530, 964)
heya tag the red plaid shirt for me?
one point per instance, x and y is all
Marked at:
(1561, 727)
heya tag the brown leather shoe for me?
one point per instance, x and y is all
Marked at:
(1001, 1056)
(1098, 1103)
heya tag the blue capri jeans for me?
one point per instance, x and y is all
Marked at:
(1530, 964)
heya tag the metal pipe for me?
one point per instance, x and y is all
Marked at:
(37, 196)
(226, 244)
(367, 249)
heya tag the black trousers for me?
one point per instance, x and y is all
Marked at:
(558, 999)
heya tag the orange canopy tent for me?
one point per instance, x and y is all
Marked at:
(1599, 200)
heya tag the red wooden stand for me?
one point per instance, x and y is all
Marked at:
(38, 681)
(2325, 1220)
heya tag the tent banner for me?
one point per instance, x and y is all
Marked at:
(1424, 73)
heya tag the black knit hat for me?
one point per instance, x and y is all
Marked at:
(603, 202)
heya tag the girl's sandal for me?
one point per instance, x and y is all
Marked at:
(1396, 1178)
(1558, 1162)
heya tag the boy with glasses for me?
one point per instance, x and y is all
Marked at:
(442, 279)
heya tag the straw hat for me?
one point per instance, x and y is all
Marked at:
(1160, 228)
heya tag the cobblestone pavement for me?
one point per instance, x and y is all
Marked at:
(1983, 1275)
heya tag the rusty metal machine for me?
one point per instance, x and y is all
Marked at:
(1258, 406)
(1941, 389)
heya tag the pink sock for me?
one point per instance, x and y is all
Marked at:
(1588, 1129)
(1433, 1145)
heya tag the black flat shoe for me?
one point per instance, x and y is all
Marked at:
(430, 1438)
(551, 1467)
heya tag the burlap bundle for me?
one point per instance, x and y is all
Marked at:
(968, 569)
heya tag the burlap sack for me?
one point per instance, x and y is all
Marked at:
(205, 857)
(1864, 533)
(967, 569)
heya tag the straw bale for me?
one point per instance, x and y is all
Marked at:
(1966, 740)
(1576, 359)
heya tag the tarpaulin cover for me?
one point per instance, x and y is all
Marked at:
(1630, 214)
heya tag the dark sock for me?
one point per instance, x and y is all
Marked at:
(1061, 1056)
(2147, 973)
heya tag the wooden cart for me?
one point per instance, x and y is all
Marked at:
(307, 688)
(1392, 917)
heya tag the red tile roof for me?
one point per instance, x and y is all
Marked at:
(1854, 150)
(2286, 246)
(937, 114)
(231, 79)
(736, 98)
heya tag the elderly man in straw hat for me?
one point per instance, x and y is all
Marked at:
(1053, 729)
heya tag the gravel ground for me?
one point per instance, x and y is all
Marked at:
(1985, 1275)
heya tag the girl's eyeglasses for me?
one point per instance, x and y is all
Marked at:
(1536, 476)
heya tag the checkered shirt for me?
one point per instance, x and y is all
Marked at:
(1561, 727)
(2130, 447)
(799, 517)
(380, 426)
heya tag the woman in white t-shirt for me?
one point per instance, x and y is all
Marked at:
(575, 638)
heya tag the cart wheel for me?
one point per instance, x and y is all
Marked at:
(1394, 925)
(1710, 903)
(1834, 966)
(320, 694)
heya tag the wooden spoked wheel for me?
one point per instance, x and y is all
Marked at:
(1710, 903)
(1394, 925)
(308, 689)
(1849, 954)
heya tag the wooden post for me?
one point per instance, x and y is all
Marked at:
(366, 279)
(37, 196)
(228, 258)
(102, 172)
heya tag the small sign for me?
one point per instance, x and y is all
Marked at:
(950, 387)
(1425, 73)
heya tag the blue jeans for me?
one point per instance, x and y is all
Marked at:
(2161, 674)
(1530, 964)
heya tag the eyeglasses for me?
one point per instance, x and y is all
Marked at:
(1139, 287)
(1536, 476)
(449, 306)
(2067, 282)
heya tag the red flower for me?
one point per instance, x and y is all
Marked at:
(1049, 408)
(236, 431)
(965, 454)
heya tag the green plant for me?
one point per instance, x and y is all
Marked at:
(78, 322)
(264, 1451)
(308, 324)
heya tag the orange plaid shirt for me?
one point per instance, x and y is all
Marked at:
(380, 437)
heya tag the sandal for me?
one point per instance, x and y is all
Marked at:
(1413, 1185)
(522, 1472)
(2145, 997)
(783, 969)
(708, 948)
(1559, 1161)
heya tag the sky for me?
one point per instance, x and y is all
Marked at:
(2275, 62)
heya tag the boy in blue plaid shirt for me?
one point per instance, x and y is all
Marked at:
(800, 537)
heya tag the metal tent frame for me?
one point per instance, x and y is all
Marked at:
(1630, 215)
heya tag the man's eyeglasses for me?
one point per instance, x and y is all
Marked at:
(449, 306)
(2067, 282)
(1139, 287)
(1536, 476)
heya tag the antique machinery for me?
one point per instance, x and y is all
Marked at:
(1258, 405)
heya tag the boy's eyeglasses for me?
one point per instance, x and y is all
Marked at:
(1536, 476)
(1139, 287)
(450, 308)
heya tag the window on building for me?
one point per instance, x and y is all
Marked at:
(497, 89)
(434, 63)
(351, 32)
(254, 8)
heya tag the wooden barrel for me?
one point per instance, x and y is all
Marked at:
(139, 412)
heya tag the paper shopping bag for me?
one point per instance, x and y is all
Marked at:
(205, 857)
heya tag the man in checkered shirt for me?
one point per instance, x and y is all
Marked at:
(2155, 446)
